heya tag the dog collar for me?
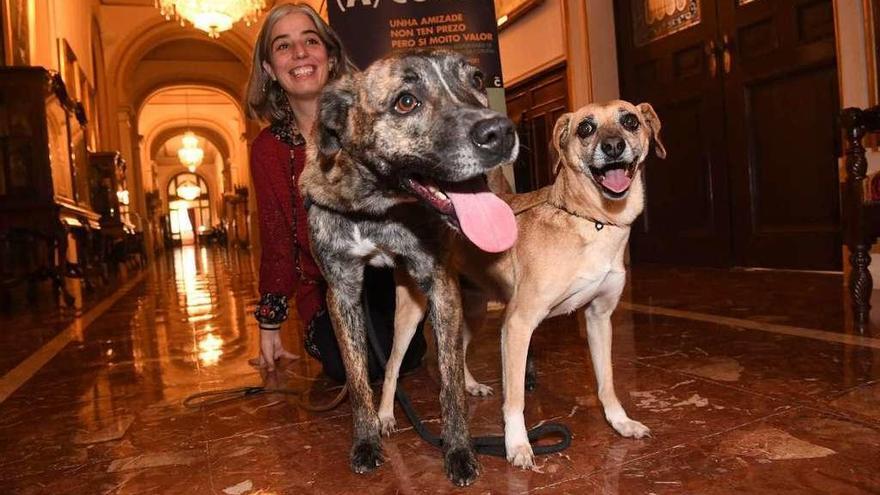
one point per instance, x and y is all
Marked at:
(597, 223)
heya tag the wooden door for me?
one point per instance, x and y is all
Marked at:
(747, 93)
(781, 99)
(534, 105)
(669, 63)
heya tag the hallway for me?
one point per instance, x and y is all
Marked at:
(748, 380)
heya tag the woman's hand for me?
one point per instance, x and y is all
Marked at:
(271, 350)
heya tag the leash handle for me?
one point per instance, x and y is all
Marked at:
(212, 397)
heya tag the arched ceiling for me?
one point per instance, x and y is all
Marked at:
(193, 50)
(170, 138)
(166, 55)
(212, 115)
(192, 98)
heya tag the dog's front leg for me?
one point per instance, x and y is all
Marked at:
(347, 314)
(444, 302)
(409, 309)
(516, 334)
(598, 316)
(474, 305)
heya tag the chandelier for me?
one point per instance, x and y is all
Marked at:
(188, 191)
(211, 16)
(190, 154)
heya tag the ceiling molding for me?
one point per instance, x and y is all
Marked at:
(211, 135)
(128, 3)
(140, 42)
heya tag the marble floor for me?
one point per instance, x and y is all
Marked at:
(751, 381)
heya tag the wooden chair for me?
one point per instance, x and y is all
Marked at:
(861, 213)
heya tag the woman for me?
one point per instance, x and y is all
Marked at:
(296, 55)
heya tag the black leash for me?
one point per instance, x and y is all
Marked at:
(488, 445)
(214, 397)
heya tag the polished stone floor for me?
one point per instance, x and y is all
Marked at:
(752, 382)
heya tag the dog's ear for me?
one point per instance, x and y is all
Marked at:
(333, 107)
(653, 122)
(561, 133)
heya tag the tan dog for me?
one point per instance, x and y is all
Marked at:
(569, 255)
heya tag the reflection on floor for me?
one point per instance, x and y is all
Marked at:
(747, 380)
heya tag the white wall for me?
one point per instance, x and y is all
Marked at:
(556, 31)
(73, 21)
(532, 42)
(43, 49)
(67, 19)
(603, 50)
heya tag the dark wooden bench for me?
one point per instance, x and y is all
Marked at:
(861, 212)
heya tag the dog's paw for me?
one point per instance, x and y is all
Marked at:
(366, 456)
(631, 429)
(387, 425)
(477, 389)
(462, 467)
(521, 456)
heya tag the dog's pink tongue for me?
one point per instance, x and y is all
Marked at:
(484, 218)
(616, 180)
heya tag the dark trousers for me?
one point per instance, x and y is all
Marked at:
(379, 290)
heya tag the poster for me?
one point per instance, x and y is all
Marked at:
(371, 29)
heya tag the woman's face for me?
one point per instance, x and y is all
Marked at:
(298, 58)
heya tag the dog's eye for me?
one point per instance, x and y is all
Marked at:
(630, 122)
(479, 81)
(586, 129)
(406, 103)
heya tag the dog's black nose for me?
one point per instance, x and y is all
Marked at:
(613, 147)
(494, 135)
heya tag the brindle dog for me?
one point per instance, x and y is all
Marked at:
(396, 170)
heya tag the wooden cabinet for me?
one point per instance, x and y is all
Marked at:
(108, 190)
(38, 170)
(119, 242)
(42, 186)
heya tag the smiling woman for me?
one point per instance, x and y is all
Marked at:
(295, 56)
(293, 36)
(298, 61)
